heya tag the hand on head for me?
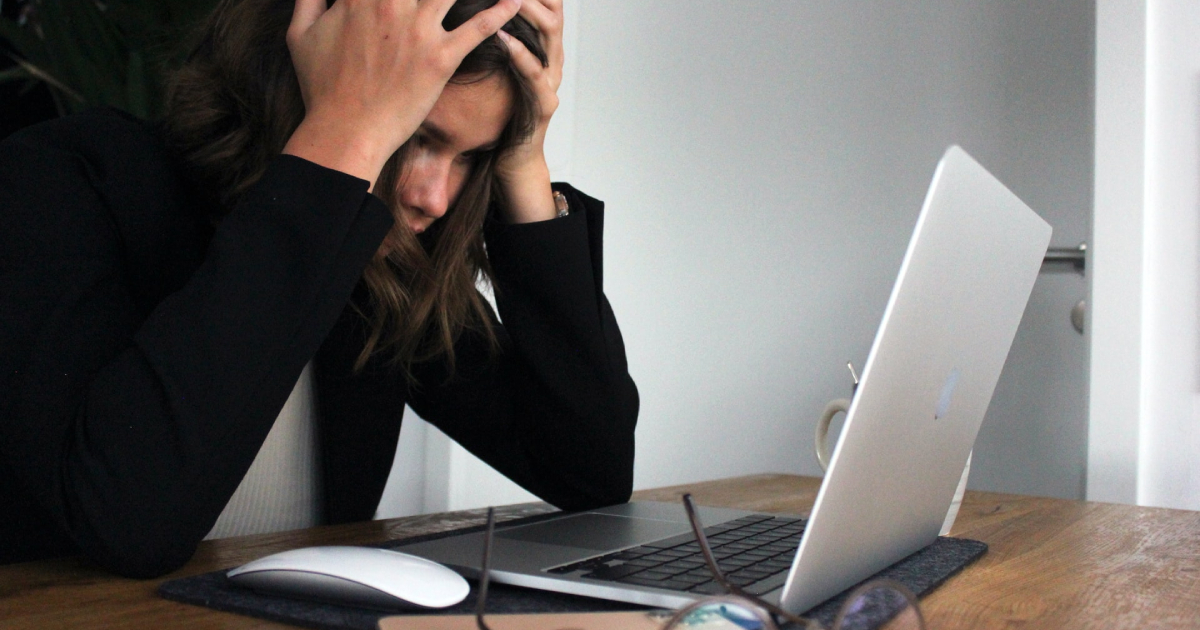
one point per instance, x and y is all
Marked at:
(522, 171)
(371, 70)
(545, 16)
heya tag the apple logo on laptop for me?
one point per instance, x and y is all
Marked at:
(943, 403)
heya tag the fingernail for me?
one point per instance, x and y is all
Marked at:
(504, 36)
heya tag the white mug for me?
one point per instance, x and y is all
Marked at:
(821, 442)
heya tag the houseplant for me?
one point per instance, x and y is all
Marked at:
(98, 52)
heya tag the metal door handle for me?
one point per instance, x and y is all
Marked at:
(1074, 256)
(1077, 258)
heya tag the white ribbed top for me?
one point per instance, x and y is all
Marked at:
(282, 490)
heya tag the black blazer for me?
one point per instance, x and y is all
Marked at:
(145, 353)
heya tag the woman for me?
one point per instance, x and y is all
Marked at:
(165, 287)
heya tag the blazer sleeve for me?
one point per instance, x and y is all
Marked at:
(555, 409)
(131, 426)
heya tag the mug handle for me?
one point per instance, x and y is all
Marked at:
(842, 405)
(835, 406)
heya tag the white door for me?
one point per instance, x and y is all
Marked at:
(1034, 438)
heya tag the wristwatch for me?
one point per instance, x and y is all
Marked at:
(560, 205)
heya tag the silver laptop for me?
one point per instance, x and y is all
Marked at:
(947, 329)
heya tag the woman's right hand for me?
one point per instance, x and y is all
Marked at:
(370, 71)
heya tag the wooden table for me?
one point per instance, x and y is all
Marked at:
(1051, 564)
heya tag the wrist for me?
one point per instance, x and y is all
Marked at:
(340, 147)
(527, 194)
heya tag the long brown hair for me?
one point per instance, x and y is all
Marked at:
(231, 109)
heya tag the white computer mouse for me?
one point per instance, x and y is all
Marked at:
(356, 576)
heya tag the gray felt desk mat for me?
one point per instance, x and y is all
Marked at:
(921, 572)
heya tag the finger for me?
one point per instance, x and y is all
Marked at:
(305, 14)
(553, 5)
(545, 19)
(482, 25)
(526, 62)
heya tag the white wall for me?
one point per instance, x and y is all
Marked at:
(1170, 444)
(1145, 448)
(763, 164)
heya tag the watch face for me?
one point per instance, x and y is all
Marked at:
(560, 204)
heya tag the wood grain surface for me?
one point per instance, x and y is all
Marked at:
(1051, 564)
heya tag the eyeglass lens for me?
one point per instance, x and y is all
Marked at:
(880, 605)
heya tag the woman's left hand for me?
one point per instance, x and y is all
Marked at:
(522, 171)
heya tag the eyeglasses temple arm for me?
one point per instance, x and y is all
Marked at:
(705, 549)
(711, 561)
(484, 570)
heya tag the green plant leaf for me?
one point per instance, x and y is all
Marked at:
(84, 53)
(15, 73)
(92, 52)
(47, 78)
(137, 88)
(23, 41)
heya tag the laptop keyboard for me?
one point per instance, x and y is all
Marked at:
(754, 552)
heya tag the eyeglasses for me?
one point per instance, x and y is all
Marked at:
(878, 604)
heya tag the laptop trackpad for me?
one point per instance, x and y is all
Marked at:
(600, 532)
